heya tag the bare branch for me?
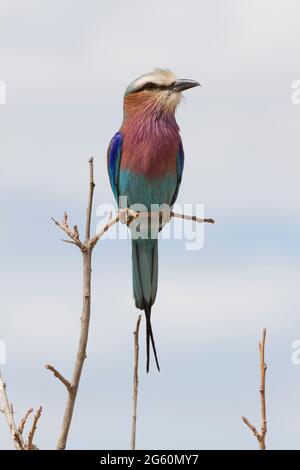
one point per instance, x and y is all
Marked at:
(60, 377)
(263, 370)
(125, 215)
(30, 445)
(192, 217)
(23, 420)
(90, 202)
(250, 426)
(68, 241)
(104, 229)
(135, 382)
(261, 436)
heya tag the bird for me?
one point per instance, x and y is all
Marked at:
(145, 161)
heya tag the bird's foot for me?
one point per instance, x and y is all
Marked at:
(165, 216)
(123, 216)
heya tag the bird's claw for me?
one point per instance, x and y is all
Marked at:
(123, 216)
(165, 216)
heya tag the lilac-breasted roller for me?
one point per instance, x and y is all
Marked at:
(145, 164)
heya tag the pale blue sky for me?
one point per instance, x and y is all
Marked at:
(66, 65)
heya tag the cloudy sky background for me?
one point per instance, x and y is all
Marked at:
(66, 65)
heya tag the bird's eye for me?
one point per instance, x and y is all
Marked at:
(150, 86)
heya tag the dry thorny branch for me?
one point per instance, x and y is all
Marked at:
(86, 247)
(17, 432)
(261, 436)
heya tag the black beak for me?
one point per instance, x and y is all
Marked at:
(182, 84)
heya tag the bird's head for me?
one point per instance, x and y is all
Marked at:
(156, 91)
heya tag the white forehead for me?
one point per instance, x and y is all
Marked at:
(158, 76)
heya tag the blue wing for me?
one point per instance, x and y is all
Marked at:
(114, 154)
(179, 166)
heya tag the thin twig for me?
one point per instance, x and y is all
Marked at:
(104, 229)
(263, 370)
(30, 445)
(23, 420)
(250, 426)
(261, 436)
(135, 382)
(60, 377)
(68, 241)
(192, 217)
(90, 202)
(130, 216)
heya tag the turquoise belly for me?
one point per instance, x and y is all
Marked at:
(140, 190)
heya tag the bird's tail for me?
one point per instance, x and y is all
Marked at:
(145, 276)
